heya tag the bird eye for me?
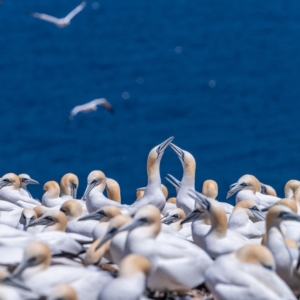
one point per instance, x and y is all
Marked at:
(113, 230)
(6, 180)
(94, 181)
(175, 216)
(48, 218)
(244, 184)
(101, 212)
(254, 207)
(23, 179)
(143, 220)
(32, 218)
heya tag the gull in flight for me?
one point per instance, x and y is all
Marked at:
(62, 22)
(90, 106)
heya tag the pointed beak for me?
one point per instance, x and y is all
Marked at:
(200, 198)
(173, 181)
(88, 190)
(289, 216)
(93, 216)
(234, 188)
(20, 268)
(178, 151)
(163, 146)
(106, 238)
(15, 283)
(31, 181)
(40, 221)
(193, 215)
(27, 222)
(74, 189)
(259, 215)
(169, 220)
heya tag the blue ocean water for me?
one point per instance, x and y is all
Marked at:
(221, 76)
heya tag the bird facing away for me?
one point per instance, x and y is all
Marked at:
(61, 22)
(90, 106)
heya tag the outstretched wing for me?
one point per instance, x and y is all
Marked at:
(45, 17)
(76, 10)
(103, 102)
(75, 111)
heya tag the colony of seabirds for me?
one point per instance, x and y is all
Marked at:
(65, 248)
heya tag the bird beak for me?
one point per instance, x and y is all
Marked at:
(163, 146)
(20, 268)
(96, 215)
(169, 220)
(27, 222)
(193, 215)
(106, 238)
(178, 151)
(128, 226)
(175, 183)
(88, 190)
(15, 283)
(234, 188)
(289, 216)
(41, 221)
(201, 199)
(258, 214)
(74, 189)
(31, 181)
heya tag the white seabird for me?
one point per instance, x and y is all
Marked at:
(61, 22)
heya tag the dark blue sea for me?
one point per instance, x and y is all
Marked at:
(220, 76)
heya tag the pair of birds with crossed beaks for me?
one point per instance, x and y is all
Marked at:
(150, 241)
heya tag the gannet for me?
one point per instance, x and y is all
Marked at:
(153, 194)
(141, 191)
(36, 273)
(54, 234)
(210, 190)
(103, 215)
(51, 195)
(117, 243)
(24, 181)
(171, 257)
(290, 187)
(10, 287)
(131, 282)
(246, 274)
(10, 213)
(174, 219)
(183, 200)
(239, 219)
(73, 210)
(268, 190)
(63, 292)
(170, 204)
(248, 187)
(90, 106)
(219, 240)
(275, 241)
(28, 215)
(9, 191)
(93, 195)
(113, 190)
(61, 22)
(68, 186)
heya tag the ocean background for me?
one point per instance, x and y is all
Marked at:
(220, 76)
